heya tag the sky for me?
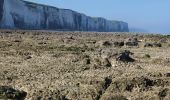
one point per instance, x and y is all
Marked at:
(142, 15)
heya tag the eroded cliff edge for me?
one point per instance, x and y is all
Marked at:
(18, 14)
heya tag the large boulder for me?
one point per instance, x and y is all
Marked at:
(125, 56)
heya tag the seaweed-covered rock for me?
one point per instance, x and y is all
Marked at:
(107, 43)
(7, 92)
(153, 45)
(163, 93)
(148, 45)
(118, 44)
(132, 42)
(125, 56)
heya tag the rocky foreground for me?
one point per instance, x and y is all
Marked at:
(84, 66)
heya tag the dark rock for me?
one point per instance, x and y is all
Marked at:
(167, 74)
(148, 45)
(41, 43)
(107, 83)
(153, 45)
(132, 42)
(28, 57)
(63, 98)
(125, 56)
(107, 43)
(135, 40)
(163, 93)
(157, 44)
(17, 41)
(88, 61)
(142, 82)
(7, 92)
(155, 74)
(118, 44)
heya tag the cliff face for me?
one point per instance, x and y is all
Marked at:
(1, 9)
(18, 14)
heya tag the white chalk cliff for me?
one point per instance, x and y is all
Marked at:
(19, 14)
